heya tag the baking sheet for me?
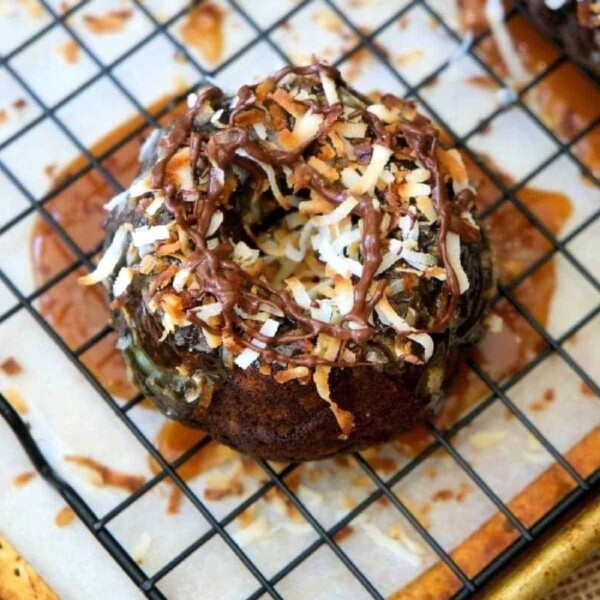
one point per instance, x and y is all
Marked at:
(68, 418)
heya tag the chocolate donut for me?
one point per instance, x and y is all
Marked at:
(296, 269)
(576, 23)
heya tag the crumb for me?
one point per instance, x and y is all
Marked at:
(549, 395)
(180, 57)
(19, 103)
(34, 8)
(3, 116)
(22, 479)
(586, 390)
(383, 500)
(64, 517)
(464, 489)
(50, 170)
(481, 81)
(430, 472)
(327, 20)
(247, 517)
(11, 366)
(343, 461)
(361, 481)
(443, 495)
(538, 406)
(433, 23)
(233, 487)
(385, 465)
(508, 414)
(344, 533)
(175, 499)
(404, 22)
(105, 476)
(111, 22)
(16, 400)
(69, 51)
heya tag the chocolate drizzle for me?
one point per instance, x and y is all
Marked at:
(213, 154)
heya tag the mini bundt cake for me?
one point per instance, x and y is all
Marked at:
(296, 269)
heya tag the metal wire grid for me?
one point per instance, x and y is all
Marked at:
(98, 524)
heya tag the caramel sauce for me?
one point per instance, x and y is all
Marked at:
(565, 100)
(203, 30)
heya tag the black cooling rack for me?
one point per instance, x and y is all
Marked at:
(97, 524)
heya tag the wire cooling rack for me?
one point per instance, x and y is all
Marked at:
(325, 536)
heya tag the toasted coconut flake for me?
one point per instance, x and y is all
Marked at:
(323, 168)
(426, 341)
(413, 190)
(485, 439)
(453, 247)
(537, 458)
(388, 260)
(307, 127)
(147, 264)
(452, 160)
(257, 530)
(109, 259)
(390, 317)
(296, 109)
(409, 227)
(323, 311)
(139, 187)
(336, 215)
(268, 169)
(425, 205)
(206, 311)
(418, 260)
(394, 546)
(249, 355)
(418, 175)
(155, 205)
(143, 236)
(379, 158)
(345, 419)
(350, 177)
(329, 88)
(122, 281)
(291, 374)
(215, 222)
(118, 201)
(180, 279)
(142, 547)
(351, 130)
(494, 12)
(299, 292)
(213, 341)
(260, 130)
(245, 256)
(385, 114)
(344, 295)
(338, 264)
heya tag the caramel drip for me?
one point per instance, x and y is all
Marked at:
(222, 278)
